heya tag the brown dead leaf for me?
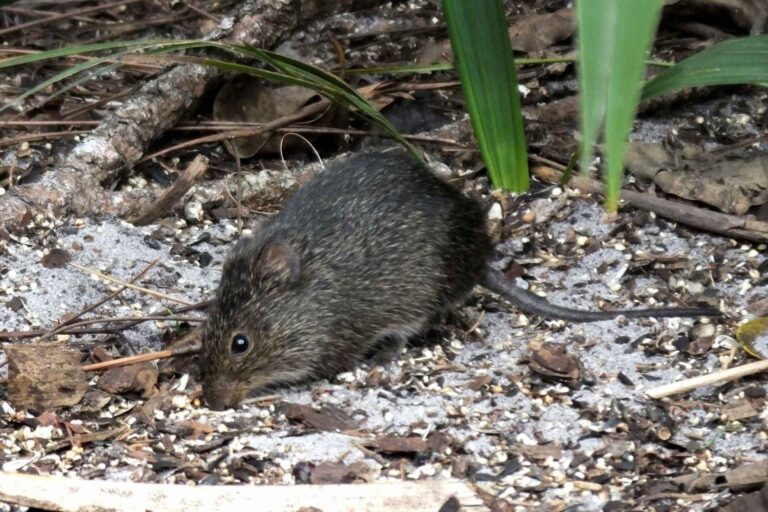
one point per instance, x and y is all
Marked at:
(252, 100)
(539, 32)
(99, 355)
(94, 400)
(759, 307)
(140, 454)
(160, 401)
(15, 304)
(753, 502)
(530, 34)
(700, 346)
(47, 419)
(737, 478)
(451, 505)
(553, 360)
(197, 429)
(439, 441)
(140, 377)
(460, 466)
(730, 185)
(514, 270)
(744, 475)
(249, 99)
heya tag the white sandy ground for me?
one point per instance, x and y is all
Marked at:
(489, 425)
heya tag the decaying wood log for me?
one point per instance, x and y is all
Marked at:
(44, 376)
(121, 139)
(58, 493)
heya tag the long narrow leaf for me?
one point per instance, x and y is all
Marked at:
(742, 60)
(57, 78)
(87, 65)
(76, 50)
(486, 66)
(614, 39)
(594, 69)
(327, 85)
(287, 71)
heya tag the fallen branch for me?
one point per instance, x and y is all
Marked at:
(64, 494)
(76, 329)
(705, 380)
(90, 437)
(700, 218)
(189, 344)
(122, 138)
(141, 358)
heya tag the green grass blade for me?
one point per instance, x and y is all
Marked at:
(615, 37)
(326, 84)
(166, 46)
(287, 71)
(266, 74)
(76, 50)
(637, 23)
(486, 66)
(59, 77)
(594, 69)
(742, 60)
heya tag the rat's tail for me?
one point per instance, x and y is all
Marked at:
(532, 303)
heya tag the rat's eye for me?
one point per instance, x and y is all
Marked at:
(240, 344)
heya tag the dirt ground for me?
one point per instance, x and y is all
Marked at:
(483, 411)
(533, 414)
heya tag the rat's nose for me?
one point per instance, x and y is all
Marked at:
(219, 396)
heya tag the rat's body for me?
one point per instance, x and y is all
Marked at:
(373, 246)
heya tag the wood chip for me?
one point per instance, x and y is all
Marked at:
(314, 419)
(332, 473)
(44, 376)
(739, 410)
(539, 451)
(394, 444)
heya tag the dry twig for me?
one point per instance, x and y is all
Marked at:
(706, 380)
(180, 187)
(111, 279)
(684, 213)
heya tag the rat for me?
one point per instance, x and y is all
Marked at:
(372, 248)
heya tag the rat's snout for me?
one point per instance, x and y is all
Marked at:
(220, 395)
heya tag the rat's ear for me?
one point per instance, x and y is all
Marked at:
(279, 262)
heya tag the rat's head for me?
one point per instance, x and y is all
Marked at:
(253, 338)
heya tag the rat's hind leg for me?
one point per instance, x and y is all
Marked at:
(386, 349)
(389, 343)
